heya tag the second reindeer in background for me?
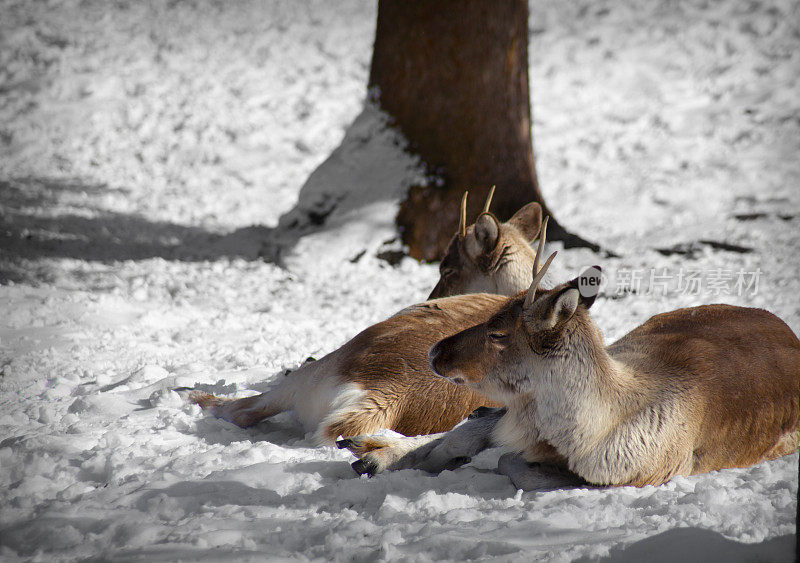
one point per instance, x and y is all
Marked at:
(381, 378)
(490, 256)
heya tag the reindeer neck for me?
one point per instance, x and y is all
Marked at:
(517, 275)
(584, 392)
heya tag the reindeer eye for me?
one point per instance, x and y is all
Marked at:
(447, 273)
(498, 336)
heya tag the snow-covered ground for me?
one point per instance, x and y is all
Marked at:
(140, 141)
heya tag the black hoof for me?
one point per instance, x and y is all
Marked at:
(179, 389)
(363, 467)
(346, 443)
(457, 462)
(480, 412)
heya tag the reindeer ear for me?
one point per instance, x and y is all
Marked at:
(487, 232)
(550, 311)
(565, 305)
(588, 285)
(528, 220)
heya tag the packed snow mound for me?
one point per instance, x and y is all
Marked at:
(348, 205)
(147, 152)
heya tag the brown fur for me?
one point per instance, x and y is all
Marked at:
(740, 366)
(248, 411)
(389, 360)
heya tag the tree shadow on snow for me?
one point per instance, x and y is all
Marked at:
(194, 495)
(59, 217)
(277, 430)
(340, 487)
(30, 229)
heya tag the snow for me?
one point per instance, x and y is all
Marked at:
(148, 152)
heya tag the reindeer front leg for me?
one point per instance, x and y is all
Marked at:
(432, 453)
(381, 453)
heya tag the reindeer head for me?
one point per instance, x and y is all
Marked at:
(537, 332)
(489, 256)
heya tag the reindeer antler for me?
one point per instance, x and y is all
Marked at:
(462, 222)
(538, 273)
(488, 200)
(540, 248)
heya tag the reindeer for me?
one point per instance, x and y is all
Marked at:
(381, 379)
(489, 256)
(688, 392)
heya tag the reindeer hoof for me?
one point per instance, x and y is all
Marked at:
(342, 444)
(457, 462)
(480, 412)
(364, 467)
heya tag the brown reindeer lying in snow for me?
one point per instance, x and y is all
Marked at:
(381, 378)
(687, 392)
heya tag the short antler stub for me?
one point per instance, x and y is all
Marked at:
(488, 200)
(462, 222)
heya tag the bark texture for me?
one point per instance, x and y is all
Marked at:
(454, 76)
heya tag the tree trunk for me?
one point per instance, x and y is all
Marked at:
(454, 76)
